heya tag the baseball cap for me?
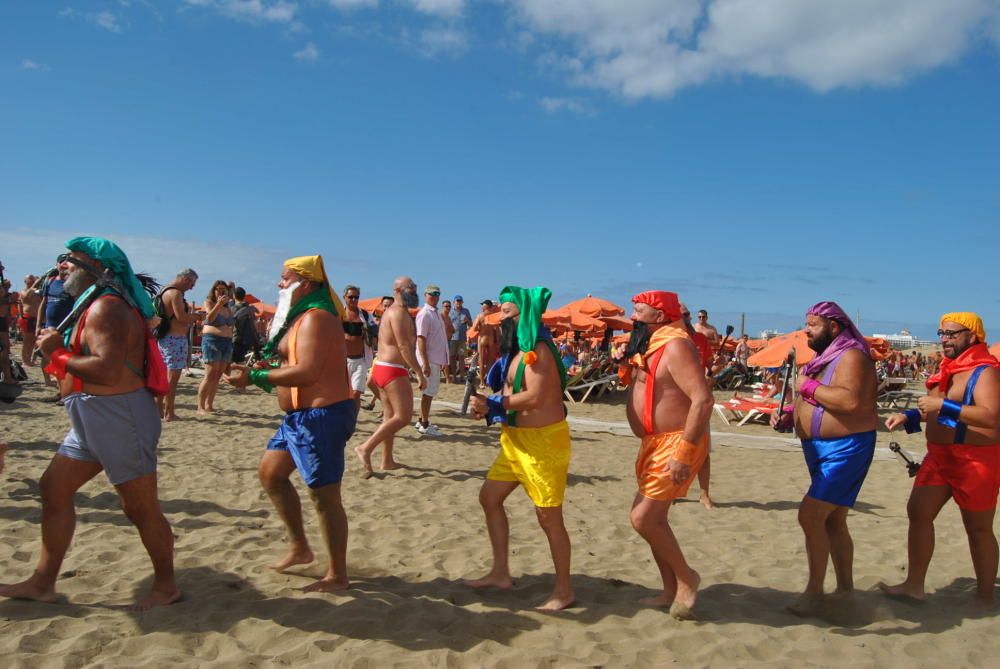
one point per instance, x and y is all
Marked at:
(431, 288)
(458, 298)
(488, 303)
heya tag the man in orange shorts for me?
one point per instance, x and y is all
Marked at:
(668, 407)
(962, 412)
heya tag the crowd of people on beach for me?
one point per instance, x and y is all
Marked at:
(117, 345)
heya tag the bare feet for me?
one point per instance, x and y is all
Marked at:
(490, 581)
(171, 417)
(662, 600)
(706, 500)
(153, 599)
(204, 412)
(366, 461)
(808, 605)
(687, 594)
(903, 592)
(294, 557)
(392, 465)
(558, 602)
(28, 590)
(327, 585)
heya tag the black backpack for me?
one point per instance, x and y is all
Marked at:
(162, 328)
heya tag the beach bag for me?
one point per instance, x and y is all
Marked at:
(156, 370)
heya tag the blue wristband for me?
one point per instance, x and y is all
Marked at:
(948, 416)
(495, 413)
(912, 423)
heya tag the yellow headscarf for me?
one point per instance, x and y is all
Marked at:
(969, 320)
(311, 267)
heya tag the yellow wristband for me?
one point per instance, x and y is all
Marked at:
(687, 452)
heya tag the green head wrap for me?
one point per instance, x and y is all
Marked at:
(113, 258)
(531, 302)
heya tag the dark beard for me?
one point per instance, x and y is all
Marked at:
(508, 337)
(410, 300)
(820, 342)
(638, 341)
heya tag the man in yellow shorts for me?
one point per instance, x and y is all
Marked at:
(669, 406)
(528, 381)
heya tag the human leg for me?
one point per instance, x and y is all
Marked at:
(841, 548)
(680, 582)
(397, 402)
(551, 521)
(166, 403)
(140, 502)
(63, 477)
(924, 505)
(704, 479)
(813, 514)
(983, 547)
(333, 524)
(491, 498)
(276, 467)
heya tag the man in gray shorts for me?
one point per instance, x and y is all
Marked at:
(114, 423)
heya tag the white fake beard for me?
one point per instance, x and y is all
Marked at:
(281, 311)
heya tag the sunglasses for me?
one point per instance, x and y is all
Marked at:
(352, 297)
(436, 293)
(950, 334)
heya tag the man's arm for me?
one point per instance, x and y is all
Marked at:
(985, 413)
(405, 341)
(311, 350)
(684, 364)
(175, 300)
(105, 334)
(847, 396)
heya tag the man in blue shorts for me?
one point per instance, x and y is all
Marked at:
(835, 416)
(312, 388)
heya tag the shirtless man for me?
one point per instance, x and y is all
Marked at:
(707, 329)
(312, 390)
(528, 383)
(357, 334)
(397, 340)
(486, 342)
(31, 297)
(114, 423)
(174, 345)
(669, 405)
(705, 355)
(835, 416)
(962, 412)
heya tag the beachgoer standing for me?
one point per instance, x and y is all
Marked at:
(245, 337)
(311, 381)
(358, 334)
(835, 416)
(706, 328)
(962, 412)
(432, 354)
(216, 344)
(528, 382)
(396, 358)
(486, 339)
(31, 297)
(669, 405)
(115, 426)
(705, 355)
(174, 344)
(461, 319)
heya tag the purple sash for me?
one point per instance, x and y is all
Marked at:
(818, 410)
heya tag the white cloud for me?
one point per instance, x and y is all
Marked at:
(575, 105)
(352, 4)
(256, 11)
(28, 64)
(104, 19)
(652, 48)
(309, 53)
(439, 7)
(443, 40)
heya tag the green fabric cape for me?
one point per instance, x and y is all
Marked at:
(318, 299)
(112, 257)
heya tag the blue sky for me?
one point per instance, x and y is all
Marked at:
(753, 156)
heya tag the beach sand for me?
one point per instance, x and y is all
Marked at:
(415, 533)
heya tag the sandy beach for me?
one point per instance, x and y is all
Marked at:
(416, 532)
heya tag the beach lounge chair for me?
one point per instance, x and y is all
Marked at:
(743, 410)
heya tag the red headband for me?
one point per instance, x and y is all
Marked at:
(662, 300)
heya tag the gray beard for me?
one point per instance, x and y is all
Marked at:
(75, 283)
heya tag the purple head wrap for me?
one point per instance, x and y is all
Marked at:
(849, 338)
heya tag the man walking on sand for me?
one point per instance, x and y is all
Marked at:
(114, 423)
(669, 405)
(528, 382)
(313, 392)
(174, 342)
(396, 357)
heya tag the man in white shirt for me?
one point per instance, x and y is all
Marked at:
(432, 354)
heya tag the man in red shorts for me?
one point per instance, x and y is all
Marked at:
(962, 412)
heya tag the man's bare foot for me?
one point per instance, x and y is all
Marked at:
(706, 500)
(558, 602)
(490, 581)
(204, 412)
(327, 585)
(366, 460)
(153, 599)
(662, 600)
(903, 592)
(171, 417)
(808, 604)
(3, 452)
(28, 590)
(687, 594)
(392, 465)
(292, 558)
